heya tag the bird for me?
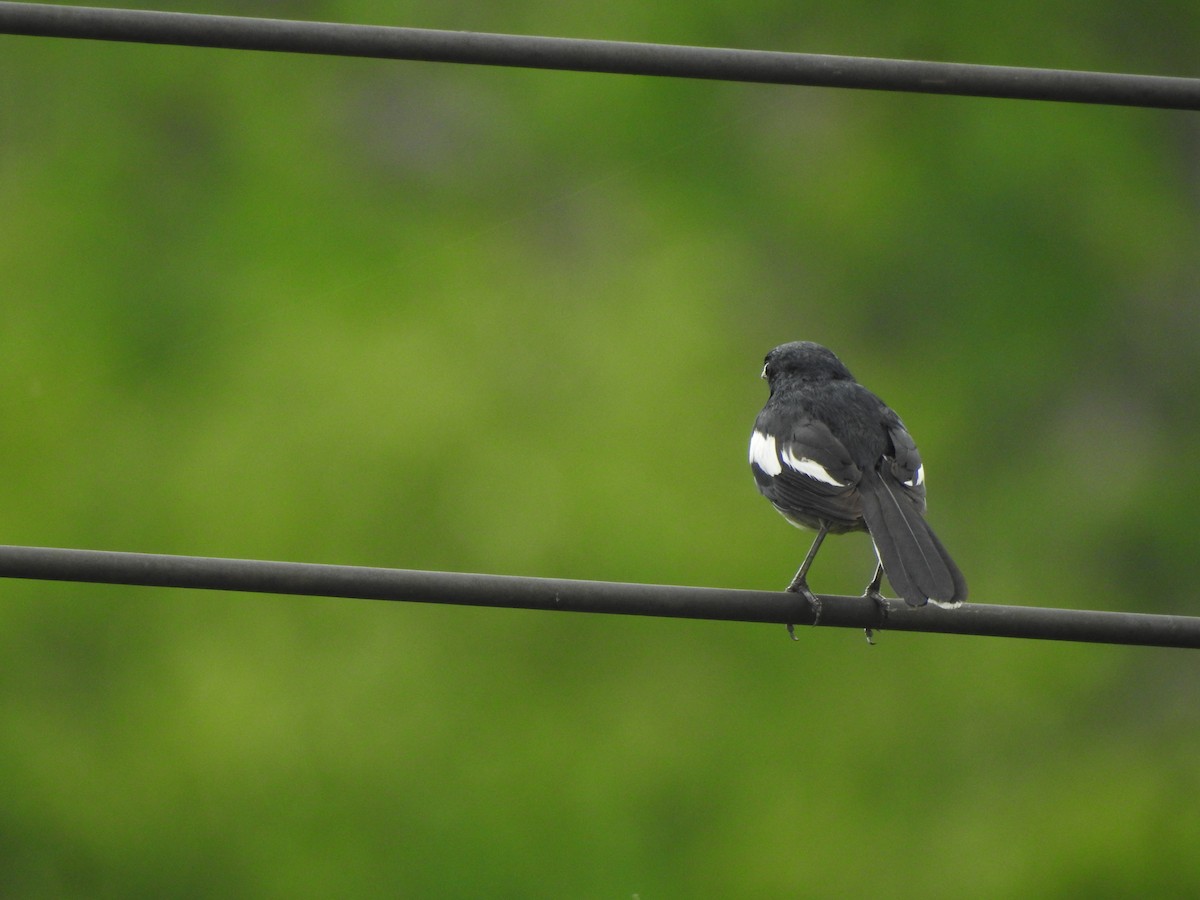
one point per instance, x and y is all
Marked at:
(833, 457)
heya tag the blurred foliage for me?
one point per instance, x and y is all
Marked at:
(476, 319)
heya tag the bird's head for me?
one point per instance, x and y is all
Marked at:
(803, 361)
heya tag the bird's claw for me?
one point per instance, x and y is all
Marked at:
(881, 604)
(800, 587)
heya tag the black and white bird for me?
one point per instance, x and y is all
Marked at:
(833, 457)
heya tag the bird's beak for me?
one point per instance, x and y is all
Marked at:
(763, 373)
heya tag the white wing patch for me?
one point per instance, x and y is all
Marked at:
(809, 467)
(763, 453)
(919, 478)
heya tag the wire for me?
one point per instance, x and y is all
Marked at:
(242, 33)
(513, 592)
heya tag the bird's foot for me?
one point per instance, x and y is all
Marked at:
(801, 587)
(881, 604)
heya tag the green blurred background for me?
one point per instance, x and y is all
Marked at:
(476, 319)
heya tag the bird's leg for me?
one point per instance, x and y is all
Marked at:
(872, 591)
(799, 584)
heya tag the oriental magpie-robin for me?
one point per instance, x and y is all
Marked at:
(833, 457)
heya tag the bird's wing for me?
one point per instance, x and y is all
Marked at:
(905, 464)
(805, 471)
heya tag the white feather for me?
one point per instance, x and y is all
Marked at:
(763, 453)
(946, 604)
(809, 467)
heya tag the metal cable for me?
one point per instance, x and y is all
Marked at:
(242, 33)
(309, 579)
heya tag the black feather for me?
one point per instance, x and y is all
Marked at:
(913, 558)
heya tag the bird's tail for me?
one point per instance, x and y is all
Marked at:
(914, 560)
